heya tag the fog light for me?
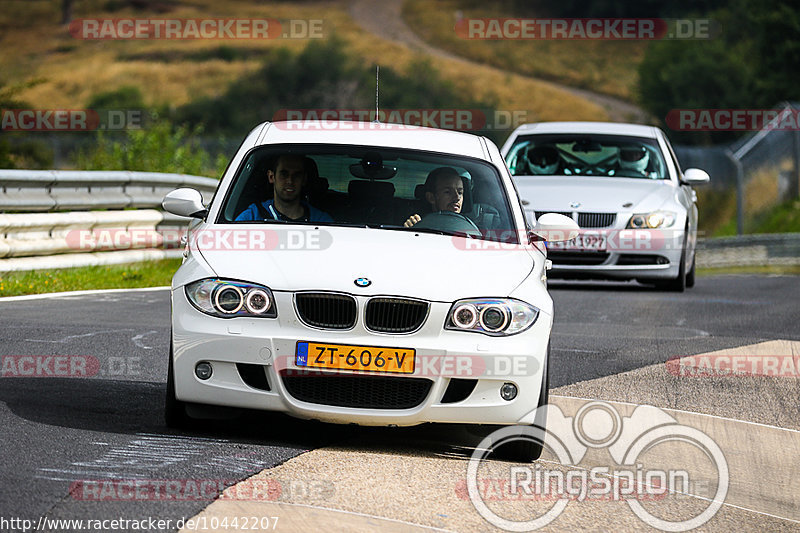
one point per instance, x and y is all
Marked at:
(203, 371)
(508, 391)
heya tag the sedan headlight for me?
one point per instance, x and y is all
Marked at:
(491, 316)
(655, 219)
(228, 299)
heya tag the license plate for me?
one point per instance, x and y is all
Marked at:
(585, 241)
(351, 357)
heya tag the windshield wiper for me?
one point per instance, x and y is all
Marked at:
(430, 230)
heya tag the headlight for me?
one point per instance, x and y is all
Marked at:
(227, 299)
(656, 219)
(491, 316)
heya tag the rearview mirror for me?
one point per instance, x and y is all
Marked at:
(184, 202)
(695, 176)
(554, 227)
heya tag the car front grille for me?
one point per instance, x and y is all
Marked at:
(395, 315)
(326, 310)
(577, 258)
(358, 391)
(565, 213)
(642, 259)
(596, 220)
(587, 220)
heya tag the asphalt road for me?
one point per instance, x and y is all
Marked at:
(56, 431)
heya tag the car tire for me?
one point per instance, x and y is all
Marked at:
(678, 284)
(174, 410)
(527, 451)
(691, 274)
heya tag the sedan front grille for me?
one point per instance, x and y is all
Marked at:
(596, 220)
(577, 258)
(326, 310)
(358, 391)
(395, 315)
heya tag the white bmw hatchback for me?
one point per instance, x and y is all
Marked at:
(362, 273)
(624, 187)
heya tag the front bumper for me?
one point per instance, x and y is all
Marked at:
(442, 356)
(630, 254)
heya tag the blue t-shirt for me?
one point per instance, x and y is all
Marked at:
(267, 208)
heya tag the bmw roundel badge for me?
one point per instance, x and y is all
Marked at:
(362, 282)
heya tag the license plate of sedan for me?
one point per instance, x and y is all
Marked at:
(591, 242)
(352, 357)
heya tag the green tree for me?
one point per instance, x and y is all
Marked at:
(158, 148)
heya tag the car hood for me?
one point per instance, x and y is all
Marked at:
(594, 194)
(402, 263)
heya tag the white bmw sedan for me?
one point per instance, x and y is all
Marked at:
(624, 187)
(362, 273)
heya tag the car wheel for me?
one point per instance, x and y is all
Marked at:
(526, 450)
(174, 410)
(691, 274)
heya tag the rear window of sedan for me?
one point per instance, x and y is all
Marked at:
(587, 155)
(366, 186)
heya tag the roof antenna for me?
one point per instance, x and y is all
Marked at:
(377, 72)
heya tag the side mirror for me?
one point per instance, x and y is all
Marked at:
(553, 227)
(184, 202)
(695, 176)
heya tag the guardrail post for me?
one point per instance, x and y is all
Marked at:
(739, 192)
(794, 183)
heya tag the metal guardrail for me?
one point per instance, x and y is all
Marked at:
(749, 250)
(61, 219)
(65, 190)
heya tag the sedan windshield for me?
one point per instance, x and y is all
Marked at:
(587, 155)
(362, 186)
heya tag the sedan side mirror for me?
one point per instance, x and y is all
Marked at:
(184, 202)
(695, 176)
(554, 227)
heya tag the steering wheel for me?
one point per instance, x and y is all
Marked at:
(449, 221)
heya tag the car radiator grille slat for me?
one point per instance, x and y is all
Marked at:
(358, 391)
(588, 220)
(596, 220)
(395, 315)
(326, 310)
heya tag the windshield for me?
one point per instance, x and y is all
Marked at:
(361, 186)
(587, 155)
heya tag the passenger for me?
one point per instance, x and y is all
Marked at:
(444, 191)
(288, 177)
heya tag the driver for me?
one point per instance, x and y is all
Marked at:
(288, 176)
(444, 191)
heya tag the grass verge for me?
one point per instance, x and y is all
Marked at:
(783, 270)
(130, 276)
